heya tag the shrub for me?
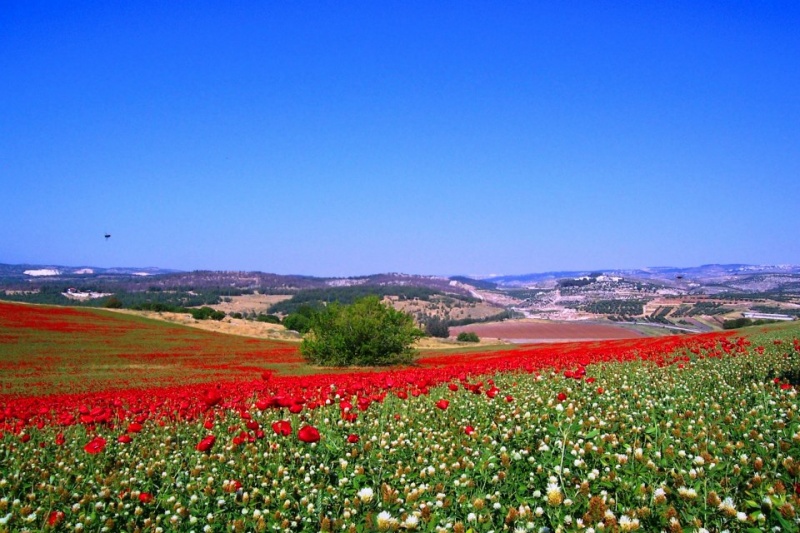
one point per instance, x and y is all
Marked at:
(468, 336)
(365, 333)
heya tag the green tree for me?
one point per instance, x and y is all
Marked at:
(365, 333)
(468, 336)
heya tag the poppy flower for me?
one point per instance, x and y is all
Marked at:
(206, 444)
(352, 438)
(96, 445)
(295, 408)
(282, 427)
(134, 427)
(55, 518)
(145, 497)
(124, 439)
(509, 398)
(308, 434)
(443, 404)
(562, 396)
(469, 430)
(453, 387)
(60, 439)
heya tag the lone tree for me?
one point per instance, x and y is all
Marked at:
(365, 333)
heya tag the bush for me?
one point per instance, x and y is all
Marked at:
(436, 327)
(269, 319)
(205, 313)
(468, 336)
(297, 322)
(365, 333)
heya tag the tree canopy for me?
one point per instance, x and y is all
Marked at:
(365, 333)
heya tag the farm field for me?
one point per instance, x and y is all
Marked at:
(676, 433)
(528, 330)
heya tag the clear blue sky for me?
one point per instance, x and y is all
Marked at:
(339, 138)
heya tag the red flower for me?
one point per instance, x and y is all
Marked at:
(206, 444)
(352, 438)
(786, 386)
(562, 396)
(145, 497)
(443, 404)
(96, 445)
(509, 398)
(600, 390)
(282, 427)
(295, 408)
(308, 434)
(124, 439)
(453, 387)
(60, 439)
(469, 430)
(55, 518)
(134, 427)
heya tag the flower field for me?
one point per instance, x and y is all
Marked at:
(685, 433)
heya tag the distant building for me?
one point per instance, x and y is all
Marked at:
(767, 316)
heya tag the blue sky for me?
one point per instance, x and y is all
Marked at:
(348, 138)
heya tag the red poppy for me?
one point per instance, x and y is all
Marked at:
(124, 439)
(786, 386)
(295, 408)
(60, 439)
(352, 438)
(600, 390)
(562, 396)
(308, 434)
(55, 518)
(453, 387)
(145, 497)
(282, 427)
(469, 430)
(509, 398)
(96, 445)
(206, 444)
(134, 427)
(212, 398)
(443, 404)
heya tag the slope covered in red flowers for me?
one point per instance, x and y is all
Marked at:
(128, 369)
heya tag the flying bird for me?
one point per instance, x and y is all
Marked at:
(107, 235)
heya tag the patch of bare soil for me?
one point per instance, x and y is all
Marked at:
(445, 307)
(232, 326)
(250, 303)
(528, 330)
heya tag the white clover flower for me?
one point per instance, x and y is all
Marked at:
(386, 521)
(411, 522)
(727, 506)
(741, 517)
(366, 494)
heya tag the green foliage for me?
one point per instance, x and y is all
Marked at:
(113, 303)
(468, 336)
(206, 313)
(269, 319)
(297, 322)
(348, 295)
(365, 333)
(436, 327)
(737, 323)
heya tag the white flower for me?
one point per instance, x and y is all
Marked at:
(411, 522)
(385, 520)
(366, 494)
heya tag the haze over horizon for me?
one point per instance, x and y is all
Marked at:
(348, 139)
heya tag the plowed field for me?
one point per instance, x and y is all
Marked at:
(545, 331)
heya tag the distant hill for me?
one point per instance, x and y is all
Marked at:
(712, 273)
